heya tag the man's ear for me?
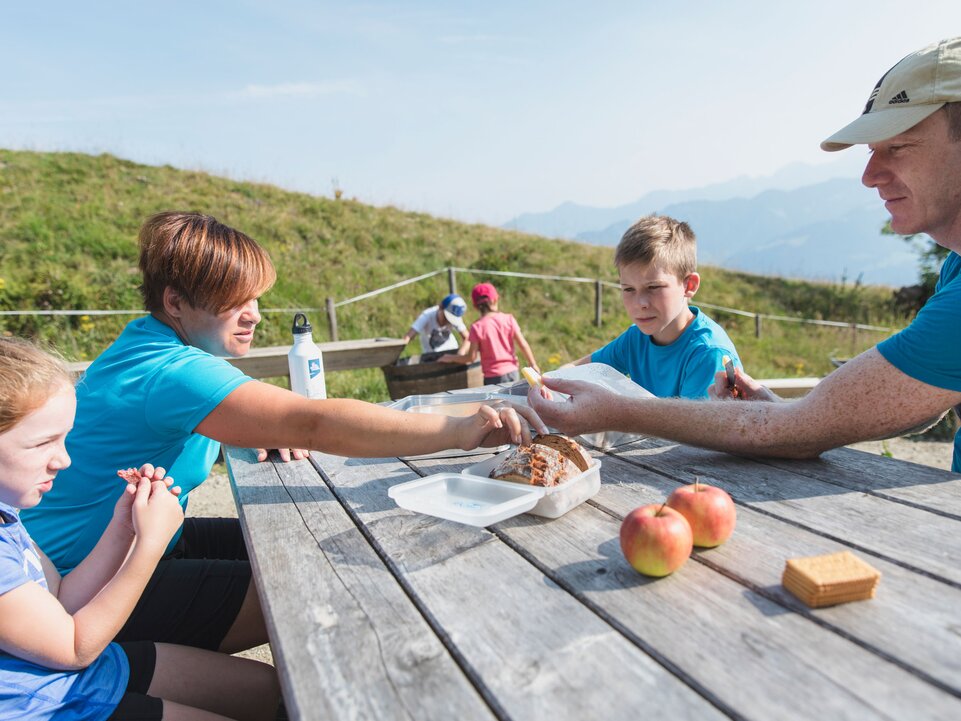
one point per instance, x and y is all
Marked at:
(173, 302)
(691, 283)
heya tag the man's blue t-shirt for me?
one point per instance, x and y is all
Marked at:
(684, 368)
(29, 691)
(929, 349)
(139, 402)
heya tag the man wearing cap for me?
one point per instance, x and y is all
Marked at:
(912, 126)
(435, 324)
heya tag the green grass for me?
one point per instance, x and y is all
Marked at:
(68, 227)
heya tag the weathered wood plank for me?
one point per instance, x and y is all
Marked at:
(935, 489)
(759, 659)
(347, 640)
(914, 619)
(534, 648)
(901, 533)
(720, 632)
(271, 361)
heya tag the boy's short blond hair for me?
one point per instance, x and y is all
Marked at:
(211, 265)
(660, 240)
(28, 378)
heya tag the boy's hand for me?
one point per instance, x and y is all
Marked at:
(590, 408)
(748, 388)
(156, 513)
(492, 426)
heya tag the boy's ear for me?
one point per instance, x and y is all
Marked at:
(691, 283)
(173, 302)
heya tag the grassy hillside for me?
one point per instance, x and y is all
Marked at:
(68, 225)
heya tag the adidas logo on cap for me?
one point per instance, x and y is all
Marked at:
(901, 97)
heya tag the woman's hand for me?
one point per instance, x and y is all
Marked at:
(503, 423)
(286, 454)
(748, 389)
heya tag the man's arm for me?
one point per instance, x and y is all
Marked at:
(409, 335)
(866, 398)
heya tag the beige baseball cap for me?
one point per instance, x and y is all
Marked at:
(905, 95)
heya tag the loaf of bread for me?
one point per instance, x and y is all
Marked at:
(567, 447)
(549, 460)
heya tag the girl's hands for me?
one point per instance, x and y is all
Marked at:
(122, 510)
(155, 513)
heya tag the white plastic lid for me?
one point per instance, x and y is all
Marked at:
(467, 499)
(604, 376)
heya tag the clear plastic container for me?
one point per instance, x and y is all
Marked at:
(604, 376)
(557, 500)
(472, 497)
(456, 405)
(465, 499)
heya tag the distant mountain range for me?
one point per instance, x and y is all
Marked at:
(813, 222)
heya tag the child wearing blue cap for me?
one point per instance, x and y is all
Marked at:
(435, 324)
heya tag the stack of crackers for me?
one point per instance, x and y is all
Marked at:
(830, 579)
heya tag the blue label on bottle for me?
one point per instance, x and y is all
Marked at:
(313, 367)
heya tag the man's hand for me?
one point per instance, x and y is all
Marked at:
(495, 425)
(298, 454)
(589, 408)
(748, 388)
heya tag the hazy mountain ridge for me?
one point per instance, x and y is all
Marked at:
(826, 229)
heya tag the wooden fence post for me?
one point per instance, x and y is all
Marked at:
(451, 279)
(757, 325)
(597, 302)
(332, 319)
(854, 339)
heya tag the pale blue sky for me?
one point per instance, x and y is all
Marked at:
(472, 110)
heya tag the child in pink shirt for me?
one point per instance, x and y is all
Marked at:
(493, 337)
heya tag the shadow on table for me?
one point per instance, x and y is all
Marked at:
(838, 471)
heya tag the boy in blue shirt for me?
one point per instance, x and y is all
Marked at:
(672, 349)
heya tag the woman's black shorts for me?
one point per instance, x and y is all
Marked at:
(195, 594)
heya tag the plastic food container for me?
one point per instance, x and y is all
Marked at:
(456, 405)
(471, 497)
(604, 376)
(556, 500)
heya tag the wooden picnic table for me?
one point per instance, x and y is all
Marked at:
(375, 612)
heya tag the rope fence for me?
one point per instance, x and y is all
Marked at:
(330, 307)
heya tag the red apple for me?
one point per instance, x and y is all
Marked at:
(655, 539)
(708, 509)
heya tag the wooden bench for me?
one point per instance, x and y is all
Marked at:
(271, 361)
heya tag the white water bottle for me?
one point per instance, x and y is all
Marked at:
(305, 361)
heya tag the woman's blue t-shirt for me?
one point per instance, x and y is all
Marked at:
(29, 691)
(929, 349)
(139, 402)
(682, 369)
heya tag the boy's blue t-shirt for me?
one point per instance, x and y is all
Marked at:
(29, 691)
(139, 402)
(683, 369)
(929, 349)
